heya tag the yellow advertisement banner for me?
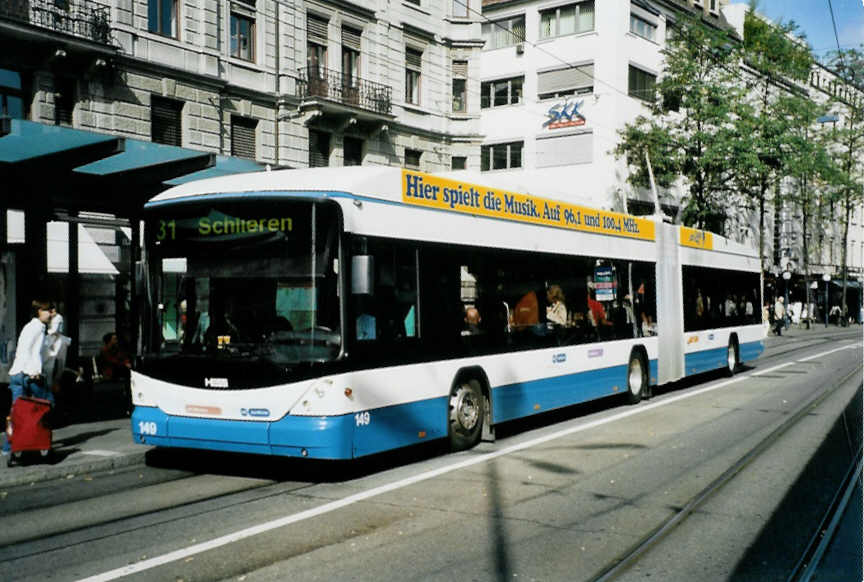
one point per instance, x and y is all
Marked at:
(420, 189)
(698, 239)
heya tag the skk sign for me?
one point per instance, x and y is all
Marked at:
(564, 114)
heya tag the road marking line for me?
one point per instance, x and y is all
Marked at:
(100, 453)
(364, 495)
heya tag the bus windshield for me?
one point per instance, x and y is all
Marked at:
(252, 280)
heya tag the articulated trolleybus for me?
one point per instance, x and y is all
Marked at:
(336, 313)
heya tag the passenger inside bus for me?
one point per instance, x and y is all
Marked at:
(472, 321)
(556, 310)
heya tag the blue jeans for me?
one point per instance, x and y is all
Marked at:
(21, 385)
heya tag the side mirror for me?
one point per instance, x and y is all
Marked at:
(362, 274)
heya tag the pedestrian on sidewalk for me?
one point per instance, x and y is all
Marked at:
(25, 375)
(779, 316)
(54, 351)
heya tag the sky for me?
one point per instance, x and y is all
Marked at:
(814, 19)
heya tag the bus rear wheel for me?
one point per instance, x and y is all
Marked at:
(732, 357)
(466, 414)
(637, 378)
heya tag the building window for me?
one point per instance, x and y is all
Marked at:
(570, 81)
(565, 150)
(712, 5)
(503, 33)
(460, 86)
(413, 62)
(458, 162)
(352, 151)
(162, 17)
(243, 30)
(166, 121)
(460, 8)
(64, 100)
(501, 156)
(316, 47)
(643, 28)
(501, 92)
(641, 84)
(11, 94)
(243, 137)
(564, 20)
(319, 149)
(351, 58)
(412, 159)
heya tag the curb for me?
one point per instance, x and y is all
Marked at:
(18, 476)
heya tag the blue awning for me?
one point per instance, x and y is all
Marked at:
(224, 166)
(28, 141)
(54, 166)
(140, 155)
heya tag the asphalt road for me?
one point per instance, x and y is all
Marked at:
(560, 497)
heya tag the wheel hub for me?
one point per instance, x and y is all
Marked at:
(465, 409)
(635, 378)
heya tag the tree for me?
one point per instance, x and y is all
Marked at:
(808, 163)
(767, 122)
(849, 65)
(690, 134)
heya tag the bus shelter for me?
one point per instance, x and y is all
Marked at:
(70, 225)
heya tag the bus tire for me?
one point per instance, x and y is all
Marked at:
(465, 414)
(637, 377)
(732, 356)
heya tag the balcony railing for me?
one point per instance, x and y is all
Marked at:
(81, 18)
(345, 89)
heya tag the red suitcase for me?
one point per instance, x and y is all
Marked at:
(25, 429)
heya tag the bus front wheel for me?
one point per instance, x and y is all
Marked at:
(637, 378)
(466, 414)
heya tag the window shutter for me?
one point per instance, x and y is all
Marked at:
(165, 121)
(413, 59)
(561, 79)
(565, 150)
(319, 149)
(316, 29)
(243, 137)
(351, 38)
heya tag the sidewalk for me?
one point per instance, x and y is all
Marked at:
(105, 442)
(101, 440)
(816, 330)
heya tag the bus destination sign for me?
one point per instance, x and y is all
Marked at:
(442, 193)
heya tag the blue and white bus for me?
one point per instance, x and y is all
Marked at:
(336, 313)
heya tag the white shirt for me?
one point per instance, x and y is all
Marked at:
(28, 354)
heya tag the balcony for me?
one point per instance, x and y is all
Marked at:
(333, 86)
(79, 18)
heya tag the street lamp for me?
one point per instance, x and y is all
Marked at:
(827, 278)
(786, 276)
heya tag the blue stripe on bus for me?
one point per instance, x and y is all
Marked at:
(713, 359)
(526, 398)
(322, 437)
(705, 360)
(356, 435)
(751, 350)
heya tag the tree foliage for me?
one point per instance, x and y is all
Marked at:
(689, 133)
(768, 120)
